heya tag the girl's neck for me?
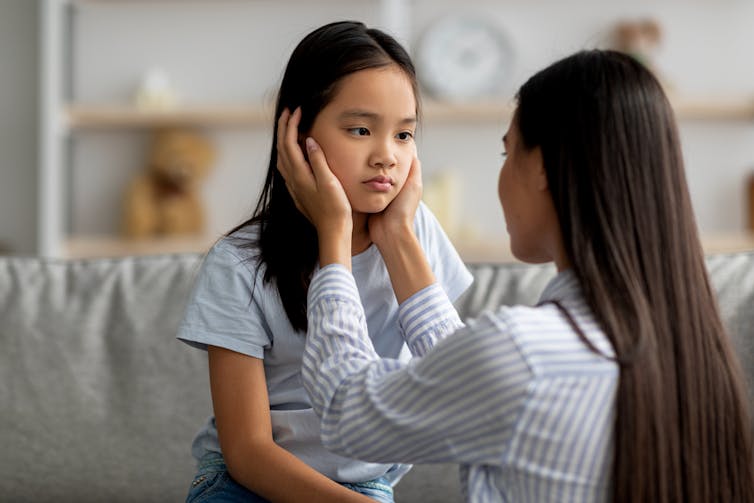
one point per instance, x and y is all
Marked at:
(360, 239)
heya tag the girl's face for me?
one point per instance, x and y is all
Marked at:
(367, 135)
(527, 205)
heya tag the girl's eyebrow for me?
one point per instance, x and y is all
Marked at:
(359, 114)
(364, 114)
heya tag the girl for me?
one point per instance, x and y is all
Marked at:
(354, 90)
(619, 386)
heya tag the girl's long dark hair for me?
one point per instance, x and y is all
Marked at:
(287, 241)
(612, 156)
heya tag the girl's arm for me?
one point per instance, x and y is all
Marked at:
(242, 414)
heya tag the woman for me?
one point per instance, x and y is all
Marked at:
(619, 386)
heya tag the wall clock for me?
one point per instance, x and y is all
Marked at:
(463, 58)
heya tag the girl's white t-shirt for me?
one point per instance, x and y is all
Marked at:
(231, 307)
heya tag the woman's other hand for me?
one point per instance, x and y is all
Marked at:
(398, 217)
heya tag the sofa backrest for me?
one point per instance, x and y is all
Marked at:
(732, 277)
(99, 401)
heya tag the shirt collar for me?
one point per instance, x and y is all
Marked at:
(563, 286)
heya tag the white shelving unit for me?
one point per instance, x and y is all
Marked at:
(59, 120)
(51, 193)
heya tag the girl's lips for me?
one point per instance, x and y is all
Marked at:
(379, 183)
(379, 186)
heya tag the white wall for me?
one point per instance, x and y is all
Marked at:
(228, 51)
(215, 52)
(706, 52)
(18, 125)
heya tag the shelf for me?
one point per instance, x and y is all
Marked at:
(728, 242)
(138, 2)
(83, 116)
(80, 116)
(436, 111)
(115, 246)
(713, 108)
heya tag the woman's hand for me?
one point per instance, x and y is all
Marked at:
(398, 217)
(315, 190)
(393, 233)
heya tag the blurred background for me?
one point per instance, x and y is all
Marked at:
(87, 85)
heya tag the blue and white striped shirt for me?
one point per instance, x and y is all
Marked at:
(515, 396)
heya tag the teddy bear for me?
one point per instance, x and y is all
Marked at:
(164, 199)
(639, 38)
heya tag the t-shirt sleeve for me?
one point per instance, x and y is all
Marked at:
(448, 267)
(223, 309)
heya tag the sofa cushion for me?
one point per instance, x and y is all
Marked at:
(99, 400)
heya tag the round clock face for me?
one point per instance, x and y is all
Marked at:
(462, 58)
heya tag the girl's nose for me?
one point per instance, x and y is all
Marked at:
(383, 155)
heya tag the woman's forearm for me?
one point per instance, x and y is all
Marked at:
(406, 263)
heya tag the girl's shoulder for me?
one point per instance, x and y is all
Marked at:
(242, 243)
(236, 255)
(426, 225)
(424, 217)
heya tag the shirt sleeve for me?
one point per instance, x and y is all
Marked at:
(427, 317)
(459, 403)
(223, 309)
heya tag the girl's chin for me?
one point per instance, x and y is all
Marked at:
(371, 208)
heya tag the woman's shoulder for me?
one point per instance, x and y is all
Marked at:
(545, 338)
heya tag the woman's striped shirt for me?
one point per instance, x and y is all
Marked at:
(514, 397)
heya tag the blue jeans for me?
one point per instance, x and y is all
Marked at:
(213, 484)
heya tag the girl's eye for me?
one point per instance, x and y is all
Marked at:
(504, 154)
(359, 131)
(405, 135)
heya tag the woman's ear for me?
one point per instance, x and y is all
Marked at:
(540, 175)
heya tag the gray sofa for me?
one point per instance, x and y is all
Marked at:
(99, 402)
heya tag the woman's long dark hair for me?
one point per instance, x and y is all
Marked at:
(612, 156)
(287, 241)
